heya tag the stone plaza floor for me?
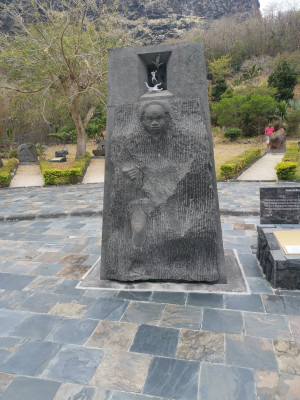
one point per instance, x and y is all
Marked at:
(64, 343)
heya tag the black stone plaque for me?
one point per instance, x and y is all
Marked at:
(280, 205)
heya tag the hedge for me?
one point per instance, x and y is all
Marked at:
(54, 176)
(232, 167)
(232, 133)
(286, 170)
(292, 153)
(5, 172)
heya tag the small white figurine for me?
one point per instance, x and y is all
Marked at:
(153, 77)
(154, 88)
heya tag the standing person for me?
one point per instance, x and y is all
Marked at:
(268, 131)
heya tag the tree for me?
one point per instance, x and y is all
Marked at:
(218, 89)
(284, 79)
(59, 49)
(220, 67)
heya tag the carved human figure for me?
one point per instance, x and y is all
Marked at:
(155, 120)
(27, 153)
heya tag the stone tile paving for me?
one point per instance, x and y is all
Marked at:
(58, 342)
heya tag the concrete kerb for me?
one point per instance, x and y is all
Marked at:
(25, 217)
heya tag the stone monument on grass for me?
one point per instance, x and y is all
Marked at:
(161, 215)
(27, 154)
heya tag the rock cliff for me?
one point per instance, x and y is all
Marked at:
(160, 20)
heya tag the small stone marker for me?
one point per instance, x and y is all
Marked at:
(161, 217)
(58, 159)
(27, 154)
(280, 205)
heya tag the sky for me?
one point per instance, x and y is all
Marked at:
(282, 5)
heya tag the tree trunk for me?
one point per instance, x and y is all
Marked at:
(81, 137)
(88, 116)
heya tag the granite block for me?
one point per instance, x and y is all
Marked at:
(31, 359)
(271, 385)
(226, 383)
(75, 364)
(122, 371)
(172, 379)
(176, 316)
(226, 321)
(9, 319)
(169, 297)
(288, 356)
(35, 326)
(107, 309)
(201, 346)
(72, 391)
(113, 335)
(29, 388)
(250, 352)
(155, 340)
(205, 300)
(267, 326)
(143, 313)
(73, 331)
(244, 302)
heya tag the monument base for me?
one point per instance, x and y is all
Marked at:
(282, 270)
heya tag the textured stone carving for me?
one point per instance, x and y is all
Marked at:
(27, 153)
(100, 151)
(161, 217)
(277, 140)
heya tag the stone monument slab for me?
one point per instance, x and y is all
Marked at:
(161, 215)
(27, 154)
(280, 205)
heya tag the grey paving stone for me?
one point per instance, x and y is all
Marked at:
(31, 389)
(169, 297)
(132, 396)
(31, 358)
(73, 331)
(271, 385)
(75, 364)
(48, 269)
(72, 306)
(69, 286)
(143, 313)
(244, 302)
(40, 302)
(155, 340)
(5, 380)
(250, 352)
(226, 321)
(267, 326)
(132, 295)
(250, 265)
(107, 309)
(226, 383)
(8, 345)
(72, 391)
(11, 299)
(100, 293)
(44, 283)
(274, 304)
(9, 319)
(14, 282)
(172, 379)
(35, 326)
(176, 316)
(292, 305)
(212, 300)
(259, 285)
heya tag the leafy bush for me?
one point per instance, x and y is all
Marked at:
(232, 133)
(232, 167)
(54, 176)
(286, 170)
(5, 172)
(218, 89)
(284, 79)
(13, 153)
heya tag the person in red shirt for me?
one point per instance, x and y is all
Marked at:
(268, 131)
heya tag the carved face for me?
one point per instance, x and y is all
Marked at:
(155, 120)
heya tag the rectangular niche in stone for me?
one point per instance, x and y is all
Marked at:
(161, 214)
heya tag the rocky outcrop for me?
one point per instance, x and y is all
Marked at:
(160, 20)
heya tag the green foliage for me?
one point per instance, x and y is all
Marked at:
(286, 170)
(53, 176)
(95, 126)
(220, 67)
(281, 110)
(292, 153)
(5, 172)
(13, 153)
(64, 137)
(232, 133)
(218, 89)
(252, 72)
(284, 79)
(40, 148)
(232, 167)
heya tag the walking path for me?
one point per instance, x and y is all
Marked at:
(27, 175)
(95, 171)
(263, 169)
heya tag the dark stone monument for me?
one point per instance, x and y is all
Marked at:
(278, 141)
(280, 205)
(100, 151)
(61, 153)
(27, 154)
(161, 214)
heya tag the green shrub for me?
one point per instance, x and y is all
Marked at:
(232, 167)
(286, 170)
(5, 172)
(13, 153)
(292, 153)
(232, 133)
(54, 176)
